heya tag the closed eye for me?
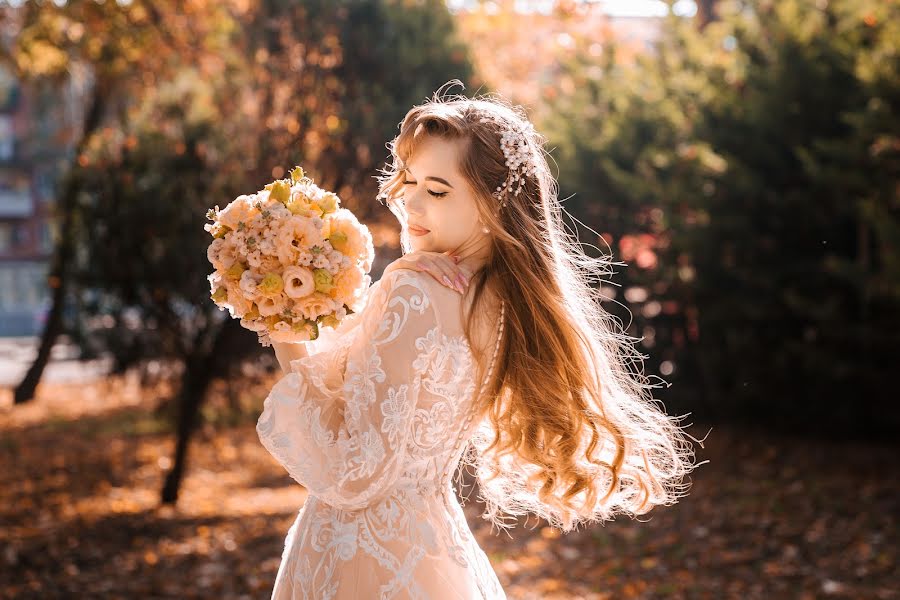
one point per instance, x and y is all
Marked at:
(435, 194)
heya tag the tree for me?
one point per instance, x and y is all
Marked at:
(761, 155)
(330, 81)
(111, 43)
(275, 84)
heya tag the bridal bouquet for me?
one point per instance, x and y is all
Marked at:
(288, 260)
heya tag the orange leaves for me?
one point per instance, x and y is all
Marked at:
(81, 497)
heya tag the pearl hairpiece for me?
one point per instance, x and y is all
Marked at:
(519, 158)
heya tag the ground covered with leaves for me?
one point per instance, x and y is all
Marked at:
(767, 517)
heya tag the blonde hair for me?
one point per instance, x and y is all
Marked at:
(571, 434)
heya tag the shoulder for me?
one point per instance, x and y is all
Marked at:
(409, 281)
(421, 292)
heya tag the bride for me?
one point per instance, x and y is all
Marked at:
(484, 345)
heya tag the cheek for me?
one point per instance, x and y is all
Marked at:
(464, 222)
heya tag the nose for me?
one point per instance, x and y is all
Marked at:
(412, 202)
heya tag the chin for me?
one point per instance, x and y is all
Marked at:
(415, 244)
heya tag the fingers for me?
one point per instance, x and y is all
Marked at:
(452, 275)
(445, 270)
(439, 269)
(442, 266)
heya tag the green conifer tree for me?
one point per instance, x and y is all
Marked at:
(761, 154)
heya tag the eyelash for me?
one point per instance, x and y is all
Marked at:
(435, 194)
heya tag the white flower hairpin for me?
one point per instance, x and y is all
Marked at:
(519, 157)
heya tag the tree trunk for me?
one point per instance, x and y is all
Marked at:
(194, 382)
(200, 368)
(64, 252)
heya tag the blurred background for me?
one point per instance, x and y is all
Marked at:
(739, 159)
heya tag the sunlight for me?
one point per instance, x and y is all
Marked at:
(614, 8)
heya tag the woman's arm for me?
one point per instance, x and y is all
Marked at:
(341, 424)
(286, 352)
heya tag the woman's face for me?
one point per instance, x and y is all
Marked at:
(438, 199)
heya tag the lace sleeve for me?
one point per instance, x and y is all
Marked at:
(340, 421)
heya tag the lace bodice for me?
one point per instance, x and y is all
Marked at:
(373, 423)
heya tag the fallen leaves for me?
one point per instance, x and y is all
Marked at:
(80, 516)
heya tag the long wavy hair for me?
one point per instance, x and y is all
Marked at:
(572, 434)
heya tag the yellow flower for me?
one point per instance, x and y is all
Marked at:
(323, 280)
(235, 271)
(329, 320)
(279, 190)
(299, 206)
(338, 241)
(329, 202)
(271, 284)
(310, 328)
(253, 313)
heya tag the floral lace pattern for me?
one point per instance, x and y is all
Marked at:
(372, 423)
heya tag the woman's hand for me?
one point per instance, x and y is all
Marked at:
(286, 352)
(439, 265)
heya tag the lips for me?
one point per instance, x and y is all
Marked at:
(416, 229)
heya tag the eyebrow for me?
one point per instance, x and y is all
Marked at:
(438, 179)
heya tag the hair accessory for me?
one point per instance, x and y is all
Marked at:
(519, 158)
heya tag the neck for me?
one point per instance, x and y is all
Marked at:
(474, 255)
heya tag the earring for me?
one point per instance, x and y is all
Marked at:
(485, 230)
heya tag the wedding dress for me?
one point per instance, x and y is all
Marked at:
(373, 423)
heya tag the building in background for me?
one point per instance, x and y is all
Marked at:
(37, 126)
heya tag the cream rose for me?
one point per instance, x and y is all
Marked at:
(314, 305)
(350, 238)
(237, 304)
(298, 282)
(249, 284)
(296, 232)
(253, 324)
(239, 209)
(221, 253)
(271, 305)
(348, 283)
(346, 234)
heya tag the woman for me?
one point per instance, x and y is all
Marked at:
(516, 363)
